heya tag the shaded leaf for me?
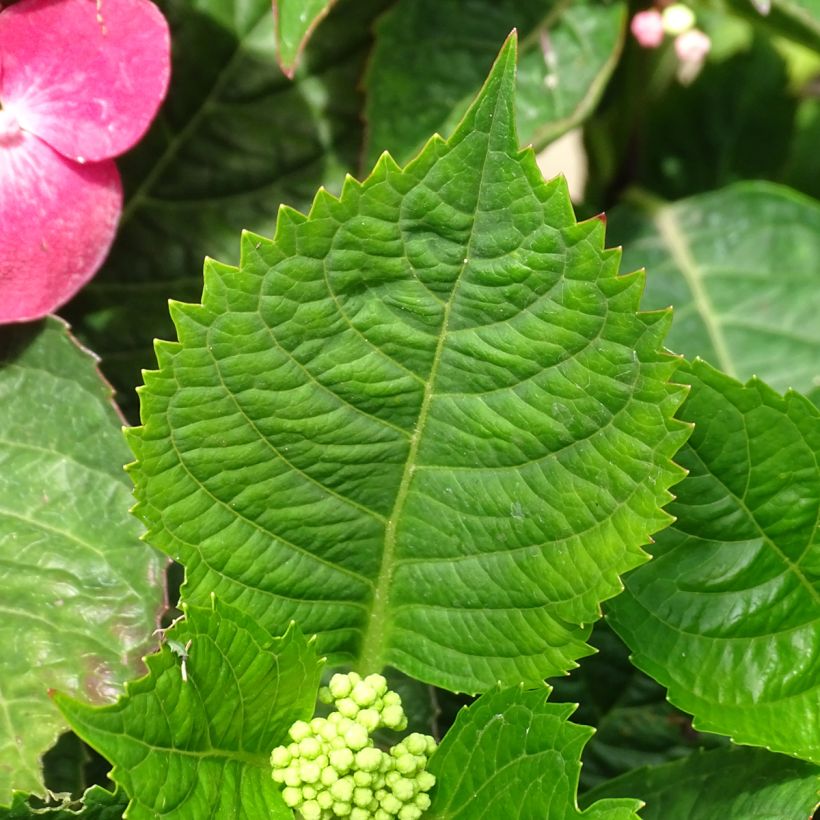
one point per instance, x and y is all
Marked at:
(80, 593)
(430, 58)
(233, 140)
(727, 615)
(436, 380)
(720, 784)
(740, 268)
(798, 20)
(200, 748)
(512, 754)
(295, 21)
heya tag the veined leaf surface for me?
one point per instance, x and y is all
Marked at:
(727, 615)
(724, 783)
(512, 754)
(739, 266)
(80, 594)
(196, 744)
(426, 421)
(295, 20)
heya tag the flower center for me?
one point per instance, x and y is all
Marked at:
(10, 131)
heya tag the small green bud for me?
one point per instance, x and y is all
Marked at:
(425, 781)
(310, 747)
(347, 707)
(341, 809)
(278, 775)
(292, 796)
(381, 814)
(391, 698)
(362, 797)
(311, 810)
(363, 694)
(292, 777)
(293, 749)
(342, 790)
(325, 799)
(340, 686)
(329, 776)
(325, 695)
(406, 764)
(415, 743)
(369, 718)
(422, 801)
(299, 730)
(409, 813)
(368, 759)
(308, 793)
(356, 737)
(393, 717)
(341, 759)
(404, 789)
(280, 757)
(362, 779)
(310, 771)
(378, 683)
(359, 814)
(391, 804)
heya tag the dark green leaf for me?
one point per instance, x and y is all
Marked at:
(430, 58)
(727, 615)
(80, 593)
(724, 784)
(295, 21)
(425, 422)
(196, 744)
(512, 754)
(740, 268)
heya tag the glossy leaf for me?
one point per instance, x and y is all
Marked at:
(512, 754)
(721, 784)
(740, 268)
(196, 744)
(233, 140)
(727, 615)
(430, 58)
(80, 593)
(295, 21)
(425, 422)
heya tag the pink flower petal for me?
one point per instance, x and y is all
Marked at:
(647, 28)
(87, 83)
(58, 221)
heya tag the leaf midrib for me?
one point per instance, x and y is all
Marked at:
(371, 656)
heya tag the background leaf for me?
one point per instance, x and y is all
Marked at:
(740, 268)
(727, 615)
(724, 783)
(196, 749)
(295, 21)
(81, 594)
(511, 754)
(234, 139)
(430, 58)
(435, 381)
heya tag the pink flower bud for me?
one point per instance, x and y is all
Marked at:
(647, 28)
(692, 46)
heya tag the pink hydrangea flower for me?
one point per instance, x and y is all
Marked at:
(647, 28)
(80, 82)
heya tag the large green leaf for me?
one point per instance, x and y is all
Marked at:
(233, 140)
(80, 593)
(727, 615)
(431, 57)
(295, 21)
(196, 744)
(797, 19)
(512, 754)
(740, 268)
(720, 785)
(425, 422)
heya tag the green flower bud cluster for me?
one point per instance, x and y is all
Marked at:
(333, 769)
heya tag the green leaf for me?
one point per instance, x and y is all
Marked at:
(430, 58)
(80, 593)
(634, 723)
(197, 745)
(97, 804)
(727, 616)
(425, 422)
(740, 268)
(295, 21)
(798, 20)
(720, 784)
(233, 140)
(512, 754)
